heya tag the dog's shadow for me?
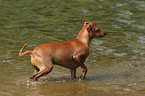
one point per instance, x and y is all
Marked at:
(107, 77)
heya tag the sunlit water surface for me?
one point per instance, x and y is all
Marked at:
(116, 64)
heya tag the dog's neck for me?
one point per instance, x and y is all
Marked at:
(83, 36)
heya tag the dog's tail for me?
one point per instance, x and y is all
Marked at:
(24, 53)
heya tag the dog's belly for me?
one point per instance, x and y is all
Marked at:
(65, 62)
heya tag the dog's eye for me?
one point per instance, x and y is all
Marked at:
(98, 30)
(87, 23)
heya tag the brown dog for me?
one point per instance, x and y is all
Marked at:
(71, 54)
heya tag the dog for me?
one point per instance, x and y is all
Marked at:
(70, 54)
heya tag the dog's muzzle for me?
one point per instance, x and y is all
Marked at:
(105, 33)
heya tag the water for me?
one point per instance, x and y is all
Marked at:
(116, 62)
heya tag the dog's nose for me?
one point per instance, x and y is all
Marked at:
(105, 33)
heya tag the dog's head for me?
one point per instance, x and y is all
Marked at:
(94, 31)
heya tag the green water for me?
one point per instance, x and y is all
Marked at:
(116, 65)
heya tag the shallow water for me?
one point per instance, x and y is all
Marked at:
(116, 62)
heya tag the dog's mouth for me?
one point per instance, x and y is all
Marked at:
(103, 34)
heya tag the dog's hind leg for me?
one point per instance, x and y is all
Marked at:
(36, 71)
(43, 72)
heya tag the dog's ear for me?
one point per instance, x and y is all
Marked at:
(92, 28)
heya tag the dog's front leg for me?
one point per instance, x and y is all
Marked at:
(79, 58)
(73, 73)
